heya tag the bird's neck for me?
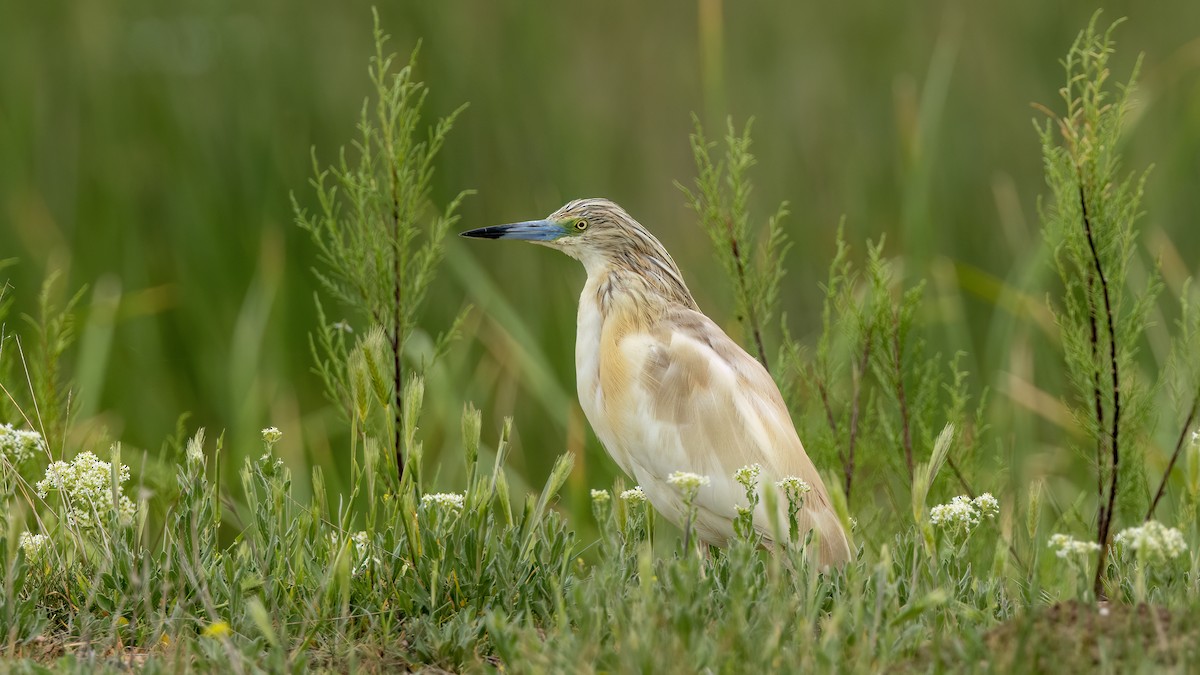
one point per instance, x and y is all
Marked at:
(617, 289)
(643, 274)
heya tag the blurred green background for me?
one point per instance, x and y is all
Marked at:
(149, 149)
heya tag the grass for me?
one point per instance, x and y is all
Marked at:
(247, 551)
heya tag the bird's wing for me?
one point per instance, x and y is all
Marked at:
(696, 401)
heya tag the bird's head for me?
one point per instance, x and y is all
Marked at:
(582, 229)
(604, 238)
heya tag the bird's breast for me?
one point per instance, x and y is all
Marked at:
(588, 346)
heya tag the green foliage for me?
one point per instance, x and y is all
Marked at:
(394, 575)
(842, 356)
(47, 389)
(1090, 223)
(722, 201)
(7, 344)
(21, 619)
(411, 585)
(876, 401)
(379, 247)
(1182, 377)
(871, 333)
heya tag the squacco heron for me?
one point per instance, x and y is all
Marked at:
(666, 390)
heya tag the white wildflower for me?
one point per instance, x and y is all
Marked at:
(747, 476)
(689, 485)
(962, 514)
(793, 488)
(688, 481)
(744, 511)
(271, 435)
(18, 445)
(447, 500)
(1065, 546)
(958, 517)
(86, 485)
(601, 496)
(34, 545)
(362, 550)
(1153, 541)
(987, 505)
(634, 495)
(360, 539)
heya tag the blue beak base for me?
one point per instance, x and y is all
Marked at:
(530, 230)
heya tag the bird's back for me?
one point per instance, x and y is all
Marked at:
(667, 390)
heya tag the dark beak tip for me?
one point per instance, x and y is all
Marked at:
(539, 230)
(478, 233)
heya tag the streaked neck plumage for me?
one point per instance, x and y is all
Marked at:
(633, 267)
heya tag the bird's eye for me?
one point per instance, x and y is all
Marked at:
(581, 225)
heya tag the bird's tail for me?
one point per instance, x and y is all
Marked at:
(830, 538)
(829, 545)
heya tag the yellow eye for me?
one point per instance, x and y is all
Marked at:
(581, 225)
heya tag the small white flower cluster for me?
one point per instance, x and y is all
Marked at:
(1153, 541)
(446, 500)
(601, 496)
(18, 445)
(634, 495)
(688, 481)
(988, 505)
(1065, 546)
(793, 488)
(362, 542)
(34, 545)
(747, 476)
(86, 485)
(362, 550)
(270, 437)
(962, 514)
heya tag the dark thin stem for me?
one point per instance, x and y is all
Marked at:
(825, 403)
(1095, 344)
(899, 375)
(1162, 486)
(751, 314)
(962, 480)
(397, 328)
(855, 394)
(824, 392)
(1115, 434)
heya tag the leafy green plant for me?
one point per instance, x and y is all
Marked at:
(1183, 381)
(43, 402)
(1090, 223)
(7, 343)
(722, 201)
(377, 239)
(105, 572)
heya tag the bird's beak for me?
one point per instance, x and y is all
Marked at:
(530, 230)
